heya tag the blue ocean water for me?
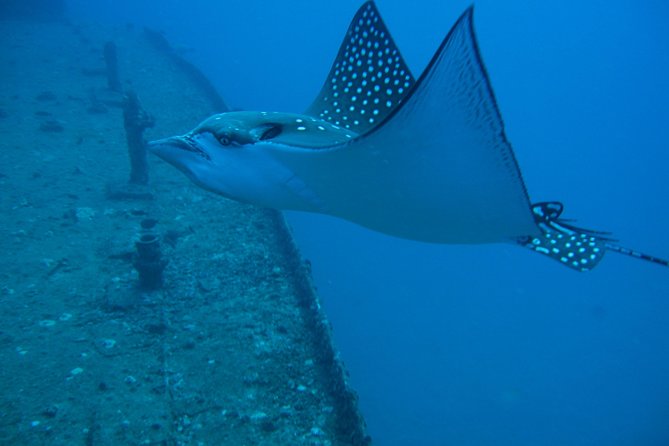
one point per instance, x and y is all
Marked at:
(484, 345)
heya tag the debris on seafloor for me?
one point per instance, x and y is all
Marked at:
(111, 62)
(46, 96)
(149, 261)
(52, 126)
(135, 121)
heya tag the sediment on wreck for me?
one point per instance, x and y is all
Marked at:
(232, 348)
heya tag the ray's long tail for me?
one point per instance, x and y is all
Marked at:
(578, 248)
(636, 254)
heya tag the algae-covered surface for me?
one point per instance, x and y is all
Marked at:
(233, 349)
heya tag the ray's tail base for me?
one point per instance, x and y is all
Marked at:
(578, 248)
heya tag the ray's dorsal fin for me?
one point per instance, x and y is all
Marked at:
(368, 79)
(578, 248)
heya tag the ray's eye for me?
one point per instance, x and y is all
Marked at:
(224, 140)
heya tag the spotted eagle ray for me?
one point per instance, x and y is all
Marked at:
(425, 159)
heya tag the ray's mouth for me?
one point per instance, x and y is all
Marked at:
(185, 143)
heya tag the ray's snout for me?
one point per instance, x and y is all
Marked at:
(159, 146)
(176, 148)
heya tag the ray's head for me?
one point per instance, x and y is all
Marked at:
(233, 153)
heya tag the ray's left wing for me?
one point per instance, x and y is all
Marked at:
(368, 66)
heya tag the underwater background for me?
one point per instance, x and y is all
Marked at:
(483, 345)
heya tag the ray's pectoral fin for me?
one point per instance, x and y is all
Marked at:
(578, 248)
(367, 65)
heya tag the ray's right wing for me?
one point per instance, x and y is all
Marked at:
(442, 147)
